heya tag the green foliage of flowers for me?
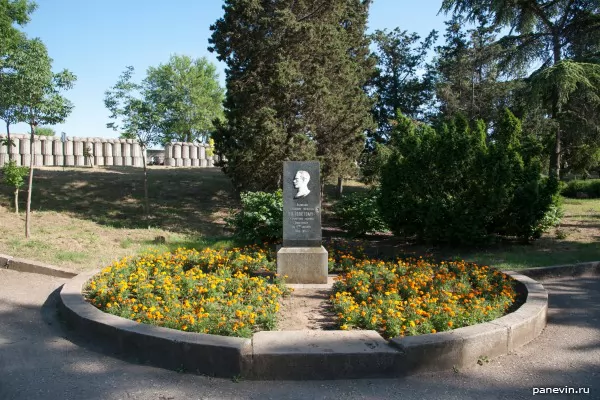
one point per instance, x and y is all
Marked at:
(206, 291)
(260, 218)
(359, 213)
(415, 296)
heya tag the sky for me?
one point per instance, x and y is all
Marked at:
(96, 40)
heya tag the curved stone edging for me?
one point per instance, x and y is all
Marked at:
(168, 348)
(463, 347)
(34, 267)
(310, 354)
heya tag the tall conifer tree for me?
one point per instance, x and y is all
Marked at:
(296, 71)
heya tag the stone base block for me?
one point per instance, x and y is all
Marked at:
(303, 264)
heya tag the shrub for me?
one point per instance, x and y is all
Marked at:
(447, 185)
(260, 218)
(589, 188)
(14, 176)
(206, 292)
(359, 213)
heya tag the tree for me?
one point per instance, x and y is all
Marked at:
(40, 101)
(13, 175)
(189, 92)
(45, 131)
(295, 87)
(400, 85)
(11, 12)
(136, 116)
(546, 31)
(470, 80)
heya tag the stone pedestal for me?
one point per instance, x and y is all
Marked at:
(303, 264)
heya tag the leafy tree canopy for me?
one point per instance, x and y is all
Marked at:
(188, 91)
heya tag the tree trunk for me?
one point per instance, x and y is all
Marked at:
(17, 201)
(30, 185)
(555, 157)
(340, 187)
(146, 201)
(9, 143)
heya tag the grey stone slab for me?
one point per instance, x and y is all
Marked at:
(303, 264)
(321, 355)
(301, 204)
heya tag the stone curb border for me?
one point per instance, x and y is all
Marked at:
(34, 267)
(309, 354)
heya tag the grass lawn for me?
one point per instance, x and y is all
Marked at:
(84, 219)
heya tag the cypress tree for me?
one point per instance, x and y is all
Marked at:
(296, 71)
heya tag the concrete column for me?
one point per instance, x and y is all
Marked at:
(16, 149)
(107, 150)
(176, 150)
(185, 150)
(202, 154)
(80, 160)
(48, 160)
(3, 148)
(136, 149)
(57, 147)
(195, 162)
(126, 147)
(69, 160)
(126, 152)
(187, 162)
(69, 147)
(98, 152)
(25, 159)
(77, 147)
(47, 145)
(3, 159)
(37, 145)
(98, 148)
(170, 162)
(194, 151)
(168, 151)
(59, 160)
(24, 146)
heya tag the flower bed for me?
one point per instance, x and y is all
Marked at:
(413, 297)
(206, 291)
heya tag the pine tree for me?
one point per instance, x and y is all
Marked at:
(296, 71)
(549, 32)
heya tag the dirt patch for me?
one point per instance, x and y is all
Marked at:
(306, 309)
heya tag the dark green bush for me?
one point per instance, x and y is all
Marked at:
(589, 188)
(359, 213)
(260, 219)
(447, 185)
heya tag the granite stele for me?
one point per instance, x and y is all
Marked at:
(302, 258)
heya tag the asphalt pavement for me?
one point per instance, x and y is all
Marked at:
(40, 358)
